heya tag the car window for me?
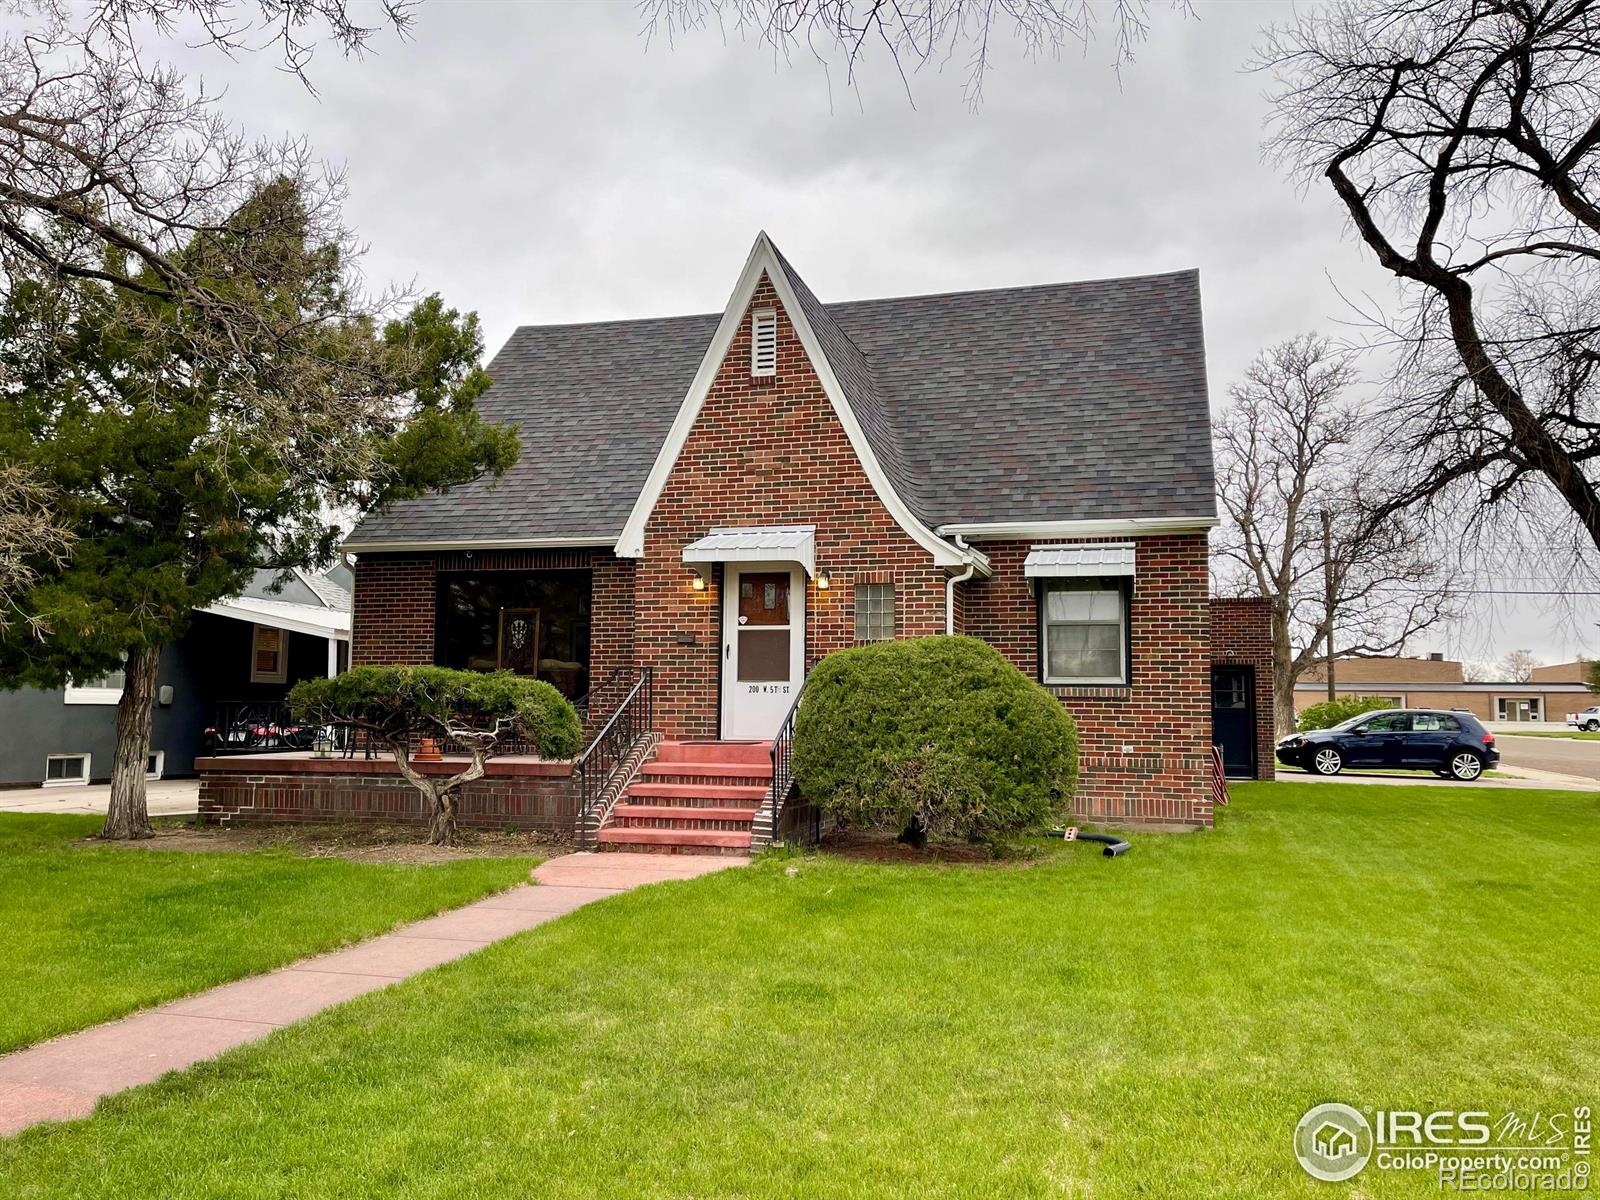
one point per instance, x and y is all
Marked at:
(1433, 723)
(1389, 723)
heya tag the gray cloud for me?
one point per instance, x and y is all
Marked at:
(538, 164)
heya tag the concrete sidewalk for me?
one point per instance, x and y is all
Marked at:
(64, 1078)
(1519, 778)
(165, 797)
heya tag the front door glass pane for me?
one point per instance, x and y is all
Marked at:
(764, 598)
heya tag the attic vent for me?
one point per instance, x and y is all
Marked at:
(764, 342)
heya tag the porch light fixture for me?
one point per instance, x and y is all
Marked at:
(824, 581)
(699, 581)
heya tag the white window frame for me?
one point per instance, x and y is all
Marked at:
(91, 694)
(79, 781)
(1124, 596)
(281, 675)
(160, 757)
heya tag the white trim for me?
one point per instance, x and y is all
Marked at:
(161, 764)
(75, 781)
(277, 614)
(764, 261)
(90, 695)
(281, 673)
(1004, 531)
(597, 541)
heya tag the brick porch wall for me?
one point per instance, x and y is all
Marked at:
(268, 790)
(1241, 635)
(767, 452)
(1145, 749)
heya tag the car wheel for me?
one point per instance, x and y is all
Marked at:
(1591, 726)
(1465, 765)
(1327, 761)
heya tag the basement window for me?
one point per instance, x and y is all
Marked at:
(764, 342)
(64, 770)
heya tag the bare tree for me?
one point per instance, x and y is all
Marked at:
(113, 170)
(913, 36)
(1517, 666)
(1344, 579)
(1463, 139)
(31, 534)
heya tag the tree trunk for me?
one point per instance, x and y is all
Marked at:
(127, 816)
(442, 828)
(1284, 674)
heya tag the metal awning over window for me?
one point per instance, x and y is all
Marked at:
(757, 543)
(1079, 562)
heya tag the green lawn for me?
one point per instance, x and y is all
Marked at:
(1577, 735)
(93, 933)
(1148, 1026)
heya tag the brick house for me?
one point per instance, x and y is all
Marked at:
(726, 498)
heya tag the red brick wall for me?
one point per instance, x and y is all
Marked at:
(1145, 748)
(1241, 635)
(767, 452)
(392, 610)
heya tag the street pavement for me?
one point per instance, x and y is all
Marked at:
(1567, 756)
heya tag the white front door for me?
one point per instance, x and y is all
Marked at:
(763, 646)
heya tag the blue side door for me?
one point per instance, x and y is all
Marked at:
(1430, 739)
(1377, 743)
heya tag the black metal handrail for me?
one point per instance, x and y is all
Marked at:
(783, 762)
(606, 753)
(594, 699)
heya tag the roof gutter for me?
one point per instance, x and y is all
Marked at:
(1123, 527)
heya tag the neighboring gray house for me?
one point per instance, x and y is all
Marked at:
(236, 662)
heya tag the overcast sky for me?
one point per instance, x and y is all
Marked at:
(539, 163)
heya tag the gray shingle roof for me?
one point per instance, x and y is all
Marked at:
(1065, 401)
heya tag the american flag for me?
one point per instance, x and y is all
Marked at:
(1219, 781)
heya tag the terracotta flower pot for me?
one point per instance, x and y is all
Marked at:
(427, 751)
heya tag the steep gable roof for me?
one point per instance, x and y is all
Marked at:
(1074, 402)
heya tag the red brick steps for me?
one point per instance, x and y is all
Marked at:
(696, 797)
(673, 841)
(683, 813)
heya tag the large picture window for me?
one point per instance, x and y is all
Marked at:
(532, 623)
(1084, 631)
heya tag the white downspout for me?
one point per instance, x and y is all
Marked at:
(950, 586)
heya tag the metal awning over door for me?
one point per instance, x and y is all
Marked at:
(757, 543)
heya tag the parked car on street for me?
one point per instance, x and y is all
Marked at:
(1455, 745)
(1587, 720)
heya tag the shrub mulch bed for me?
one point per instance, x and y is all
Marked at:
(867, 846)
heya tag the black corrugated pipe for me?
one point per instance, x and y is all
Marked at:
(1113, 844)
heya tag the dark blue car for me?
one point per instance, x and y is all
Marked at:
(1452, 744)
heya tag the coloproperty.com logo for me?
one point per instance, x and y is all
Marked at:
(1467, 1151)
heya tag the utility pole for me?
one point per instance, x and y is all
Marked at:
(1327, 594)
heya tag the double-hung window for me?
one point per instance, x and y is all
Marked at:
(1084, 631)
